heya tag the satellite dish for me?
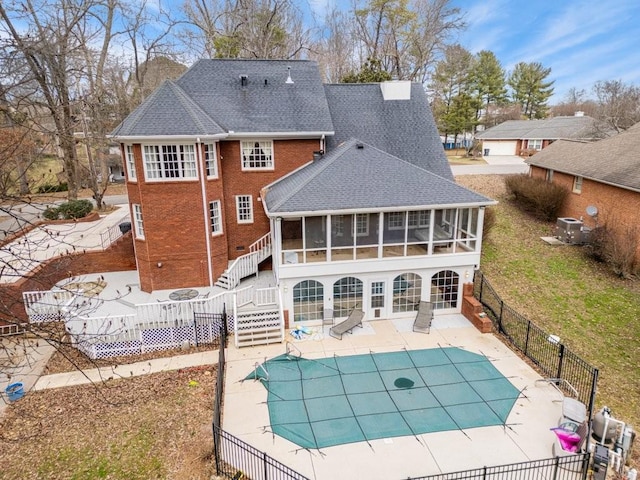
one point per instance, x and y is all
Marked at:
(592, 210)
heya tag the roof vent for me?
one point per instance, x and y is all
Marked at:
(289, 79)
(360, 146)
(244, 80)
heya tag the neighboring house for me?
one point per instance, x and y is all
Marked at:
(603, 174)
(525, 137)
(345, 188)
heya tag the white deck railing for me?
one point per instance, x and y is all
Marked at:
(153, 326)
(247, 265)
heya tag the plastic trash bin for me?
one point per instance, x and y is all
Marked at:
(14, 391)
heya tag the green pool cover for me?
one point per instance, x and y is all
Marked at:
(332, 401)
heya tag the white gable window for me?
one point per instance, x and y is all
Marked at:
(210, 160)
(257, 155)
(244, 208)
(534, 144)
(130, 162)
(137, 221)
(577, 184)
(169, 161)
(216, 217)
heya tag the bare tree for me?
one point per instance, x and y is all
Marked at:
(247, 28)
(406, 36)
(334, 51)
(618, 104)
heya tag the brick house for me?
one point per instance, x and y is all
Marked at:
(525, 137)
(603, 174)
(343, 189)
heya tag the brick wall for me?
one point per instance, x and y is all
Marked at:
(173, 253)
(618, 208)
(119, 257)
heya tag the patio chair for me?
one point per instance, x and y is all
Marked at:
(353, 320)
(568, 442)
(424, 317)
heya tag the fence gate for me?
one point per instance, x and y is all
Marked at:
(207, 327)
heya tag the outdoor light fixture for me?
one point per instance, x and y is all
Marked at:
(159, 264)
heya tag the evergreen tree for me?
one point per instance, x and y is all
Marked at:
(370, 72)
(489, 84)
(531, 89)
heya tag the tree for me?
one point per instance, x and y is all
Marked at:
(246, 28)
(530, 88)
(575, 100)
(406, 36)
(371, 71)
(334, 50)
(618, 104)
(489, 84)
(453, 106)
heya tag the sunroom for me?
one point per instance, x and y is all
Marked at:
(377, 235)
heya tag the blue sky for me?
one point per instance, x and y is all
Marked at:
(583, 41)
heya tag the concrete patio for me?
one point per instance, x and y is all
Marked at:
(526, 436)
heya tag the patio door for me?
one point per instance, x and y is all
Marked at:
(377, 301)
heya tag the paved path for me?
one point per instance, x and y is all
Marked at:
(496, 165)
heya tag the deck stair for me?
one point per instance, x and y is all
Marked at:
(258, 327)
(246, 265)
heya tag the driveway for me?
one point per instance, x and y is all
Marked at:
(496, 165)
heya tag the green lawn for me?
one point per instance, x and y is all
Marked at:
(596, 314)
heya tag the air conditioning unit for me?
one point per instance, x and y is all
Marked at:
(572, 231)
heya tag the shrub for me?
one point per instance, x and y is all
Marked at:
(70, 210)
(51, 213)
(75, 209)
(616, 248)
(537, 196)
(50, 188)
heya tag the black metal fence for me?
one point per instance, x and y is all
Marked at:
(574, 376)
(572, 467)
(239, 460)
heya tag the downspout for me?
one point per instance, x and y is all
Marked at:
(205, 208)
(322, 143)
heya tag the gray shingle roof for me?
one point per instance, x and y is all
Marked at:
(168, 111)
(614, 160)
(405, 129)
(274, 106)
(350, 178)
(566, 127)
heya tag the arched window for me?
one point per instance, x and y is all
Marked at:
(308, 301)
(347, 295)
(444, 289)
(407, 288)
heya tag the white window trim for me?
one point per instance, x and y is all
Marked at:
(219, 215)
(250, 203)
(534, 144)
(337, 225)
(211, 148)
(391, 215)
(250, 144)
(577, 184)
(160, 157)
(366, 224)
(138, 222)
(130, 162)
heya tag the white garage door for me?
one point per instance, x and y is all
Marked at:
(504, 147)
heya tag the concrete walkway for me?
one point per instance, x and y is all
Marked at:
(496, 165)
(156, 365)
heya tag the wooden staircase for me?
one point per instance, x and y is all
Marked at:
(246, 265)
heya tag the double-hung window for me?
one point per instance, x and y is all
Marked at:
(216, 217)
(362, 224)
(130, 162)
(210, 161)
(244, 208)
(257, 155)
(534, 144)
(169, 161)
(395, 220)
(138, 225)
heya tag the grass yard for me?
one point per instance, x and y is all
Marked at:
(151, 427)
(594, 313)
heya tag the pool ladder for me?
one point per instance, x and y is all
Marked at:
(292, 350)
(260, 366)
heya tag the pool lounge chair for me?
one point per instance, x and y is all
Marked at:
(353, 320)
(424, 317)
